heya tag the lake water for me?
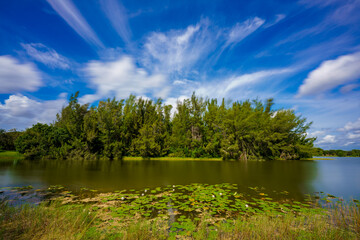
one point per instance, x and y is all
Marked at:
(339, 176)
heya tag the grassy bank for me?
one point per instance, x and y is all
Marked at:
(171, 159)
(196, 211)
(78, 222)
(6, 156)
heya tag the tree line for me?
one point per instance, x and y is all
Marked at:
(336, 153)
(142, 127)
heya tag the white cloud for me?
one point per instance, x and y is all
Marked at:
(15, 76)
(330, 74)
(348, 143)
(116, 13)
(178, 50)
(316, 133)
(68, 11)
(327, 139)
(182, 82)
(353, 135)
(20, 112)
(121, 78)
(45, 55)
(350, 126)
(241, 30)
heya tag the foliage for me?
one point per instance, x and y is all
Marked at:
(337, 153)
(7, 139)
(198, 128)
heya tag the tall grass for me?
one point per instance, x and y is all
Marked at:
(56, 221)
(44, 222)
(345, 216)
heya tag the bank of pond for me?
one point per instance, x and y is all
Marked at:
(195, 211)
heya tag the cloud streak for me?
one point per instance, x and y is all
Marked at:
(116, 13)
(72, 16)
(47, 56)
(241, 30)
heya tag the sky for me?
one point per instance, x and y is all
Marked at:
(305, 54)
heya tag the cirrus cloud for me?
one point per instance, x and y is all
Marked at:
(46, 55)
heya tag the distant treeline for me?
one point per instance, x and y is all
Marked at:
(142, 127)
(336, 153)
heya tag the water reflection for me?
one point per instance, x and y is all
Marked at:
(296, 177)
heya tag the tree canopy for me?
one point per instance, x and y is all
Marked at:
(198, 127)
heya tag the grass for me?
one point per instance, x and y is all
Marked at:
(196, 211)
(54, 221)
(79, 222)
(171, 159)
(6, 156)
(319, 158)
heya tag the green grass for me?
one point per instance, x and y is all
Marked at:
(196, 211)
(311, 159)
(9, 154)
(6, 156)
(80, 222)
(171, 159)
(54, 221)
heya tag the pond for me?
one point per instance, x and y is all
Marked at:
(338, 176)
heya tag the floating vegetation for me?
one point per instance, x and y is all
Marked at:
(186, 211)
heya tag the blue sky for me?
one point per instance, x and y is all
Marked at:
(305, 54)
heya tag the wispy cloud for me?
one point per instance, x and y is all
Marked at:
(122, 77)
(72, 16)
(230, 87)
(278, 18)
(116, 13)
(331, 74)
(241, 30)
(16, 76)
(178, 50)
(46, 55)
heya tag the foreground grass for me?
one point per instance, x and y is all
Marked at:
(79, 222)
(195, 211)
(44, 222)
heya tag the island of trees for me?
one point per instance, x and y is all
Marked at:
(198, 127)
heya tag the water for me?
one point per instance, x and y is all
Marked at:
(339, 176)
